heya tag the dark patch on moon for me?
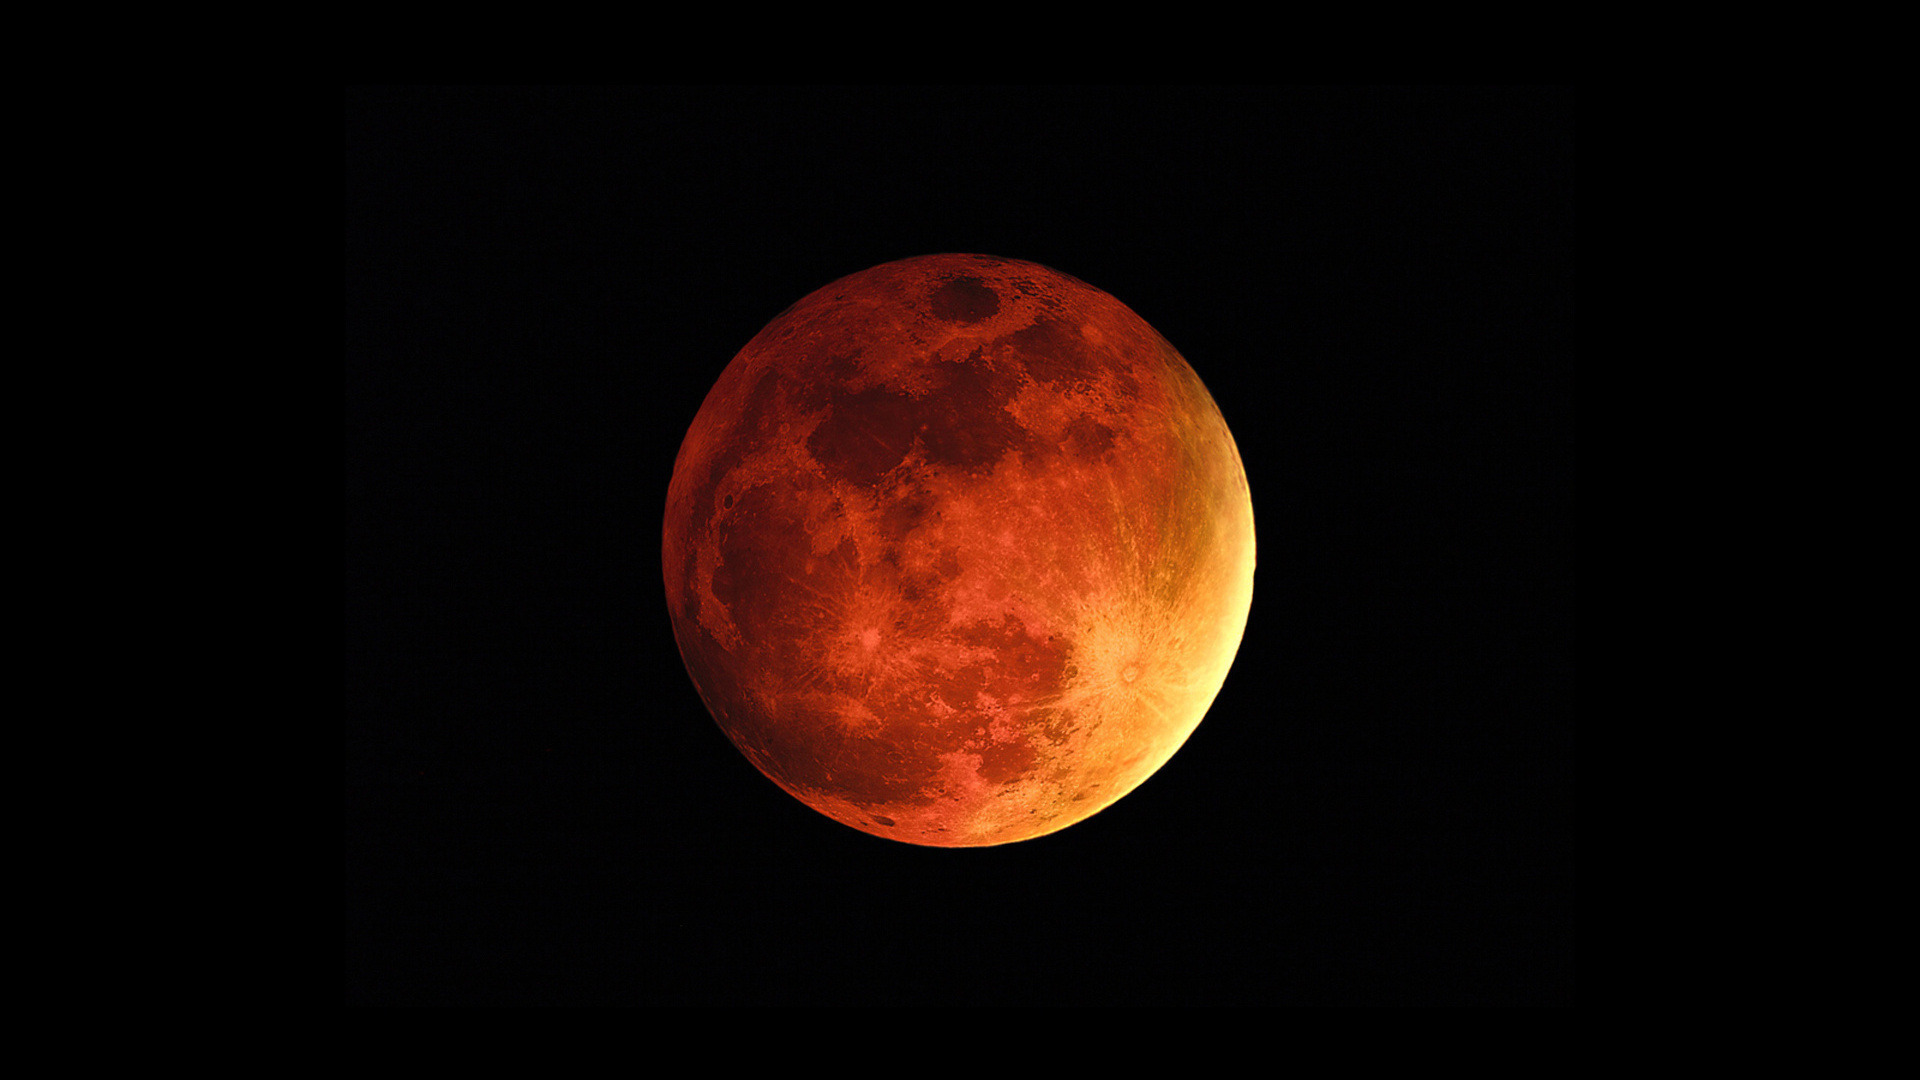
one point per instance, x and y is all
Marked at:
(865, 436)
(969, 427)
(965, 300)
(811, 748)
(1089, 438)
(756, 556)
(1055, 353)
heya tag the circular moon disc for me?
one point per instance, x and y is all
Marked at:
(958, 550)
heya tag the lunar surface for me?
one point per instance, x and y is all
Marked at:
(958, 550)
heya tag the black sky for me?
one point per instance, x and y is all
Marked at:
(1376, 284)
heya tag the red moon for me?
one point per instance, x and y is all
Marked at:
(958, 550)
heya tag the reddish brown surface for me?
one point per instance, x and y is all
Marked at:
(958, 550)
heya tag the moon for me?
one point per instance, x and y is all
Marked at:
(958, 550)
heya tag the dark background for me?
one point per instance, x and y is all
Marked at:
(1376, 284)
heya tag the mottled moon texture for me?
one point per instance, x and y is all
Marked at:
(958, 550)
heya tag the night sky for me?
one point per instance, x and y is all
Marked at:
(1377, 285)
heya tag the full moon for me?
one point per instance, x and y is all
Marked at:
(958, 550)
